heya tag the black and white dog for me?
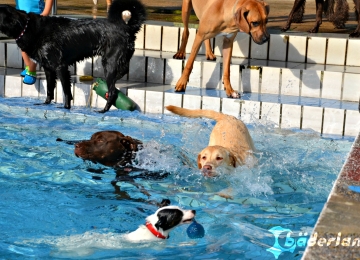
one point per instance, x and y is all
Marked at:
(159, 225)
(157, 228)
(58, 42)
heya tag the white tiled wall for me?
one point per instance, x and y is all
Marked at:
(297, 48)
(84, 67)
(170, 38)
(2, 54)
(270, 81)
(82, 92)
(13, 86)
(153, 37)
(290, 82)
(270, 112)
(316, 50)
(278, 45)
(192, 102)
(351, 90)
(154, 102)
(336, 51)
(140, 38)
(330, 81)
(231, 106)
(14, 59)
(333, 121)
(311, 82)
(155, 70)
(211, 75)
(250, 111)
(332, 84)
(353, 47)
(290, 116)
(212, 103)
(259, 51)
(250, 80)
(173, 70)
(241, 46)
(312, 118)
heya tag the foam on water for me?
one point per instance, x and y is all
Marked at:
(53, 205)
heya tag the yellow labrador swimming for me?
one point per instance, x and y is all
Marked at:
(230, 143)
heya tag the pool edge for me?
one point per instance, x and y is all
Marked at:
(336, 234)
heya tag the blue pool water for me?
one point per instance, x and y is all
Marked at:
(52, 206)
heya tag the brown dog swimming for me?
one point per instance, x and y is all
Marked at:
(230, 143)
(110, 148)
(221, 17)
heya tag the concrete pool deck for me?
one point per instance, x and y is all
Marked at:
(337, 232)
(296, 81)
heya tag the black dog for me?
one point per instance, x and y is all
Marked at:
(58, 42)
(337, 12)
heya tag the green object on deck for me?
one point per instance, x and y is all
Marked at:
(123, 102)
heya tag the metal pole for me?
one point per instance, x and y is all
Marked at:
(54, 8)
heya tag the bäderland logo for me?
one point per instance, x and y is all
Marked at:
(288, 241)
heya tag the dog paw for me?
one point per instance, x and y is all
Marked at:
(48, 100)
(210, 56)
(179, 56)
(234, 95)
(179, 89)
(354, 34)
(284, 29)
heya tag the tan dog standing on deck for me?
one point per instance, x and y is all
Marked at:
(221, 17)
(230, 142)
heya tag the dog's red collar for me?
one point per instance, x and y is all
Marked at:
(23, 31)
(156, 233)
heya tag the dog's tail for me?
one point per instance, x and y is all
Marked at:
(196, 113)
(134, 11)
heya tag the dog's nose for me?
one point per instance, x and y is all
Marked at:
(207, 167)
(193, 211)
(265, 38)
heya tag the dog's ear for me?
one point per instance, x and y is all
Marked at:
(161, 222)
(198, 161)
(168, 218)
(241, 20)
(164, 203)
(232, 158)
(267, 8)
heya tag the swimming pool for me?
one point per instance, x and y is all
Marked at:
(51, 202)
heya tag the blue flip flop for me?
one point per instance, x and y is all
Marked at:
(23, 73)
(29, 80)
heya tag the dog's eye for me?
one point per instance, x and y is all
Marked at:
(255, 24)
(218, 158)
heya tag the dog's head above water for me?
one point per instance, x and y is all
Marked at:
(212, 157)
(167, 218)
(110, 148)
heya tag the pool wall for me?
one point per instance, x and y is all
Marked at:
(296, 80)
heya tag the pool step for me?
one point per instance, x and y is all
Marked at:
(289, 92)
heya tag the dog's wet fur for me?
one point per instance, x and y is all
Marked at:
(114, 149)
(58, 42)
(165, 219)
(110, 148)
